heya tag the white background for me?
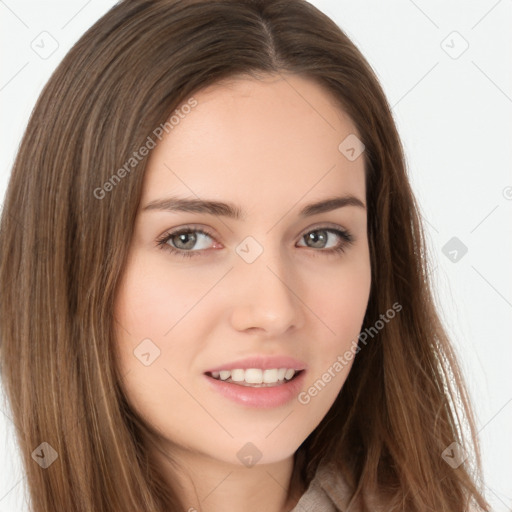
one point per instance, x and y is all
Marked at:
(454, 114)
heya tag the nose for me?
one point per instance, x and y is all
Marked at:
(267, 297)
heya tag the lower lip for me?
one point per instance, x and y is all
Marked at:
(264, 397)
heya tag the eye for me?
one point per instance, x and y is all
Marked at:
(185, 241)
(328, 239)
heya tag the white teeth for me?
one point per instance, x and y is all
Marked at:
(289, 374)
(256, 375)
(270, 376)
(237, 375)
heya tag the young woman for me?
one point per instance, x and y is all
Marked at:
(214, 282)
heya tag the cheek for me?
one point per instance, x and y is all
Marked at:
(339, 297)
(153, 298)
(154, 347)
(149, 304)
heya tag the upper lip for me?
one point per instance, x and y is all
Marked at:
(263, 362)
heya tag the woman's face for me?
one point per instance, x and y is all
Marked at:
(264, 291)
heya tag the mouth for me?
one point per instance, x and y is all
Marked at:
(257, 388)
(255, 377)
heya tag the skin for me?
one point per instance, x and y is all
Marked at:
(270, 147)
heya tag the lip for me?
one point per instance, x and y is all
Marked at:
(259, 397)
(262, 362)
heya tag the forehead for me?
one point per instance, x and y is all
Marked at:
(272, 140)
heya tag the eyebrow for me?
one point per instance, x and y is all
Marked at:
(179, 204)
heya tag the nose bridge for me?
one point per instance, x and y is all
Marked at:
(265, 295)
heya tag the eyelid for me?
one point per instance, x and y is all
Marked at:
(324, 225)
(202, 229)
(199, 228)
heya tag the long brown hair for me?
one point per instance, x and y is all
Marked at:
(63, 247)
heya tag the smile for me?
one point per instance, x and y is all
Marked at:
(259, 394)
(255, 377)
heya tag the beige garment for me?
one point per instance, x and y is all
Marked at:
(327, 492)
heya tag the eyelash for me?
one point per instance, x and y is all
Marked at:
(345, 235)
